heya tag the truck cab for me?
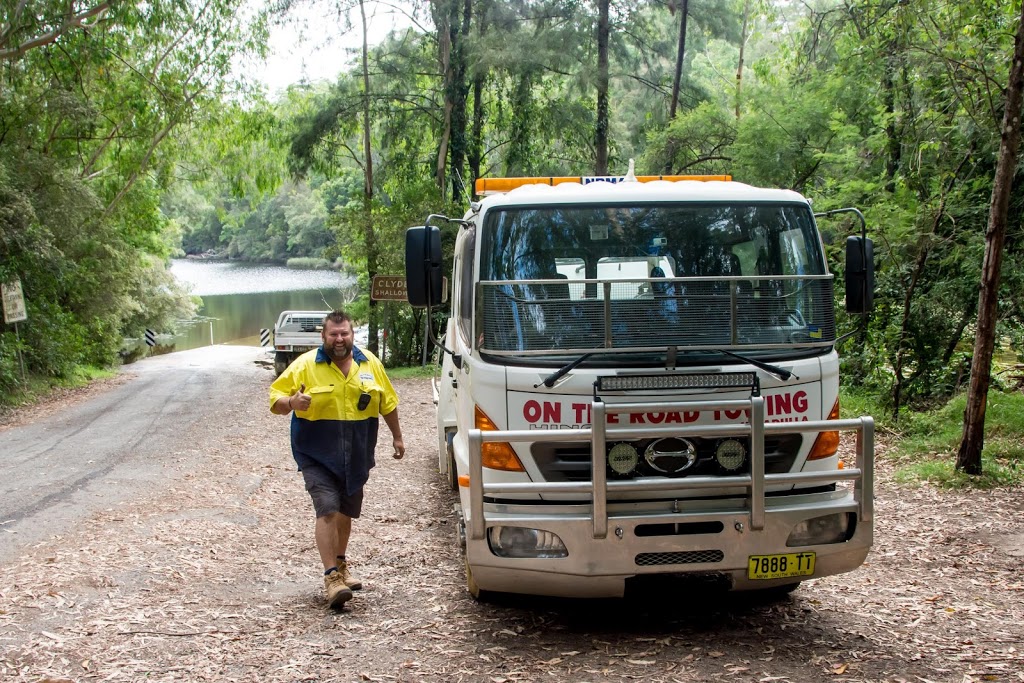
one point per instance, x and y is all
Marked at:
(640, 378)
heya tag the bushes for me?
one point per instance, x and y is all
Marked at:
(305, 263)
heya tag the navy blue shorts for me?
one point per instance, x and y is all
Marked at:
(328, 493)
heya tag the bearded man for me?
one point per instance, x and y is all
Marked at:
(336, 394)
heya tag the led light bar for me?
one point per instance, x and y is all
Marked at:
(718, 380)
(494, 185)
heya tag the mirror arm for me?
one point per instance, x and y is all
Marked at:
(457, 359)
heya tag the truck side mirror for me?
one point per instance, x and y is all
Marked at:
(860, 275)
(423, 266)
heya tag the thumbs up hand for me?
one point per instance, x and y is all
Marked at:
(300, 400)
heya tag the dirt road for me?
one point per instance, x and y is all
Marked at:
(206, 571)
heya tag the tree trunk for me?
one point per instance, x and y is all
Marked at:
(476, 146)
(372, 251)
(677, 82)
(739, 66)
(968, 458)
(444, 47)
(460, 94)
(476, 142)
(680, 56)
(601, 130)
(518, 161)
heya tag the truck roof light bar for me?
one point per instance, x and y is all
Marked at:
(710, 380)
(485, 186)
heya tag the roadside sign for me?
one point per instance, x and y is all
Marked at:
(150, 338)
(393, 288)
(264, 337)
(14, 302)
(388, 288)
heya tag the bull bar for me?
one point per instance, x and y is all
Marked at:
(598, 487)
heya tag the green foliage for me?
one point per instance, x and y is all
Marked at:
(941, 472)
(94, 120)
(131, 141)
(412, 372)
(923, 443)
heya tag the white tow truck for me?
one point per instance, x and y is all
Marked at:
(295, 333)
(640, 378)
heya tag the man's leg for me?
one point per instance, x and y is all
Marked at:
(332, 533)
(324, 490)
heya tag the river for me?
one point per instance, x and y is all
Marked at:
(240, 299)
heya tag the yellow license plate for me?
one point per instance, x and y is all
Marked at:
(780, 566)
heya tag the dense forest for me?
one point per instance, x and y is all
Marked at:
(127, 136)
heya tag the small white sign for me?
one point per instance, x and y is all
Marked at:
(14, 302)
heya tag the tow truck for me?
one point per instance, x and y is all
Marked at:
(640, 378)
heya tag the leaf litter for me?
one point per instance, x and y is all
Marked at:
(216, 579)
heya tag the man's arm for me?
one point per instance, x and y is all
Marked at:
(396, 432)
(297, 401)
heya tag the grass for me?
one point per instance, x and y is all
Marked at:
(925, 443)
(412, 372)
(36, 387)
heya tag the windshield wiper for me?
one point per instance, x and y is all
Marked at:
(550, 380)
(775, 370)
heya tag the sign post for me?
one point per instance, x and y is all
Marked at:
(387, 288)
(395, 288)
(14, 312)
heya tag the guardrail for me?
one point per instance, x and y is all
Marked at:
(598, 487)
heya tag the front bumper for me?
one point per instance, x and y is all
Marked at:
(604, 548)
(600, 567)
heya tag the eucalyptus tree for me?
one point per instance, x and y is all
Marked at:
(968, 457)
(95, 104)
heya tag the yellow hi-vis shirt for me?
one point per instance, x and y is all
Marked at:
(334, 433)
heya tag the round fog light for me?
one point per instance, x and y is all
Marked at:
(730, 455)
(622, 458)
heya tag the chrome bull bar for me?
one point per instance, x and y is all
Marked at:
(598, 487)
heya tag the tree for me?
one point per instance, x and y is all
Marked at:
(968, 457)
(684, 13)
(601, 125)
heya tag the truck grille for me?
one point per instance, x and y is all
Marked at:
(571, 461)
(682, 557)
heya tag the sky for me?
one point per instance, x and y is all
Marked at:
(313, 44)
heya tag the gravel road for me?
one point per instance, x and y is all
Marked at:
(202, 568)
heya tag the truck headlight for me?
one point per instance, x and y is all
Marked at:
(820, 530)
(517, 541)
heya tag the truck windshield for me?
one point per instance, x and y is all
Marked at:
(696, 277)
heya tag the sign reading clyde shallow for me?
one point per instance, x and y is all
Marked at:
(393, 288)
(388, 288)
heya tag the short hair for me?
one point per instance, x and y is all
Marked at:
(338, 316)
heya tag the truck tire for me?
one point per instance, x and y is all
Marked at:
(281, 361)
(453, 472)
(473, 588)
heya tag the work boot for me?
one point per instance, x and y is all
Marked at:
(337, 592)
(350, 581)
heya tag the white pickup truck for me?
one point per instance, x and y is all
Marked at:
(295, 333)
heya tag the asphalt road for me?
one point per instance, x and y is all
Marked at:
(68, 461)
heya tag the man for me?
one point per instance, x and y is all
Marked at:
(336, 392)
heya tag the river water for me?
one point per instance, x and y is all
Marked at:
(241, 299)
